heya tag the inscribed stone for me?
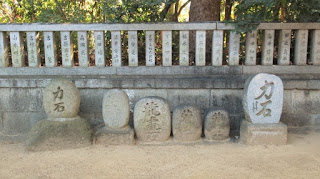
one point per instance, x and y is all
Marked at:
(217, 125)
(116, 109)
(186, 123)
(152, 120)
(263, 98)
(61, 99)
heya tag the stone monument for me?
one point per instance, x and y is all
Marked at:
(186, 123)
(116, 114)
(217, 126)
(63, 128)
(262, 103)
(152, 120)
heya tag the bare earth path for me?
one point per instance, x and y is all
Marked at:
(299, 159)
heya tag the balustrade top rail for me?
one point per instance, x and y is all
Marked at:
(285, 43)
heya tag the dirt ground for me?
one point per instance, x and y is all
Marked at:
(299, 159)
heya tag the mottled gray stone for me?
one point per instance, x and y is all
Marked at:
(116, 109)
(263, 134)
(306, 101)
(61, 99)
(152, 120)
(217, 125)
(263, 98)
(186, 123)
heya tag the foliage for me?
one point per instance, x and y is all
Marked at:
(249, 13)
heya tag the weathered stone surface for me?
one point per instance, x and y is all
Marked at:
(152, 120)
(116, 109)
(263, 98)
(263, 134)
(186, 123)
(306, 101)
(217, 125)
(109, 136)
(54, 135)
(61, 99)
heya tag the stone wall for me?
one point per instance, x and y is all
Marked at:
(206, 87)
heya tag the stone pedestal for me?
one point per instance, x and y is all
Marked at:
(111, 136)
(263, 134)
(56, 135)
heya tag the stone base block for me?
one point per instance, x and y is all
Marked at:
(115, 137)
(56, 135)
(263, 134)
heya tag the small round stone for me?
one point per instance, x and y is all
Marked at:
(116, 109)
(217, 125)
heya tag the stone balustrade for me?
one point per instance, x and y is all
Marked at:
(14, 37)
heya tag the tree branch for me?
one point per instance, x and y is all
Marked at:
(183, 6)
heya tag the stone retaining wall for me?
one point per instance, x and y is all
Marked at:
(206, 87)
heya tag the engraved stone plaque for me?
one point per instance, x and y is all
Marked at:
(150, 49)
(284, 47)
(116, 109)
(61, 99)
(234, 48)
(217, 125)
(268, 47)
(4, 60)
(251, 48)
(217, 48)
(167, 48)
(315, 47)
(99, 48)
(263, 98)
(301, 47)
(33, 50)
(184, 48)
(83, 48)
(133, 48)
(66, 49)
(50, 49)
(116, 48)
(152, 120)
(17, 49)
(200, 48)
(186, 123)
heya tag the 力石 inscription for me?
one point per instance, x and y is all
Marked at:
(263, 98)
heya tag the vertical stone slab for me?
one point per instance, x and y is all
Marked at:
(284, 47)
(184, 48)
(167, 48)
(4, 60)
(263, 98)
(217, 48)
(133, 48)
(251, 48)
(66, 49)
(217, 125)
(17, 49)
(83, 49)
(234, 48)
(50, 49)
(200, 48)
(61, 99)
(315, 47)
(99, 49)
(301, 47)
(152, 120)
(116, 109)
(150, 49)
(116, 48)
(33, 49)
(186, 123)
(267, 47)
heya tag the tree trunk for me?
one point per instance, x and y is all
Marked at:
(203, 10)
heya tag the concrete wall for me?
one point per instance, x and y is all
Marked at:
(207, 87)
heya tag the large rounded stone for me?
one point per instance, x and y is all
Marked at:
(116, 109)
(263, 98)
(61, 99)
(217, 125)
(186, 123)
(152, 120)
